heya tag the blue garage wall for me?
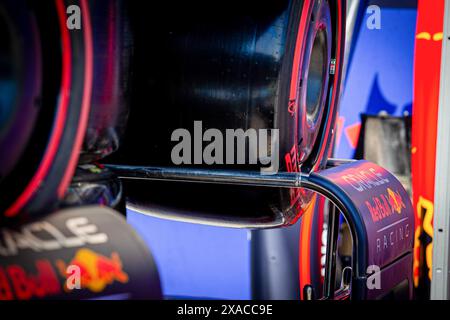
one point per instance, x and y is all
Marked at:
(380, 74)
(196, 261)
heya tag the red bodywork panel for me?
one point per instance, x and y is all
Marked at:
(427, 68)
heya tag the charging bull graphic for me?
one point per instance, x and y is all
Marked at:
(96, 271)
(42, 259)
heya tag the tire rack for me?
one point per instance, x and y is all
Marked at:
(313, 182)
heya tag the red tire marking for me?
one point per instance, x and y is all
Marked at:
(60, 121)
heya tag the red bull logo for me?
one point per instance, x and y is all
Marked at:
(18, 283)
(96, 271)
(385, 205)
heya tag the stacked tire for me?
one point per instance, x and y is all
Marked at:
(232, 65)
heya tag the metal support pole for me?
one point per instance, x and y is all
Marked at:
(441, 238)
(332, 244)
(243, 178)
